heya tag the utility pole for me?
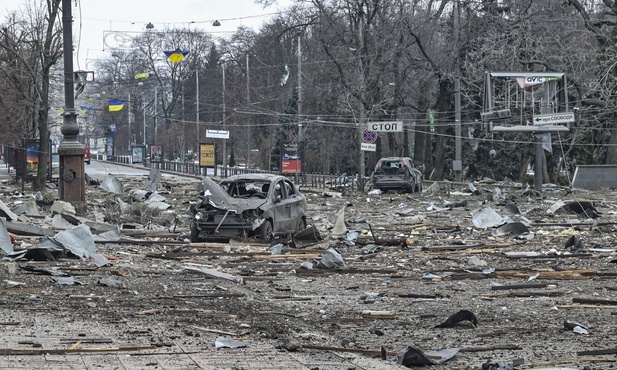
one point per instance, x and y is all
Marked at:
(300, 145)
(248, 102)
(72, 182)
(224, 125)
(130, 108)
(196, 108)
(457, 165)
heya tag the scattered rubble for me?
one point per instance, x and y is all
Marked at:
(370, 272)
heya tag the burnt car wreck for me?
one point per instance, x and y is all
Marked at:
(397, 174)
(251, 205)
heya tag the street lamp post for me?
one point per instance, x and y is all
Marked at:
(71, 186)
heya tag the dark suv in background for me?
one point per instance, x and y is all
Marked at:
(398, 174)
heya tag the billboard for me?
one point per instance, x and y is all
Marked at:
(156, 153)
(207, 155)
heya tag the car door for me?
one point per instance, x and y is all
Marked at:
(281, 207)
(296, 204)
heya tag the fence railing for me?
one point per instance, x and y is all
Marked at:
(341, 183)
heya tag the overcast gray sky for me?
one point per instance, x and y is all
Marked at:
(94, 19)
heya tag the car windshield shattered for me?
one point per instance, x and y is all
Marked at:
(264, 206)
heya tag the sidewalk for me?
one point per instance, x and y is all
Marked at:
(4, 171)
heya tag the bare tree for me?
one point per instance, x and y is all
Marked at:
(35, 44)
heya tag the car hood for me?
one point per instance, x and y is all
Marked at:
(218, 197)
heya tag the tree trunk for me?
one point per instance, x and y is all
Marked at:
(611, 153)
(440, 140)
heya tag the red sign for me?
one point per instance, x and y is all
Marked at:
(291, 165)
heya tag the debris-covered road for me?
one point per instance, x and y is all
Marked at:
(475, 275)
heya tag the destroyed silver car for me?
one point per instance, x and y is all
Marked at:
(261, 205)
(398, 174)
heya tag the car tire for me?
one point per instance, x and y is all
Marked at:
(300, 225)
(87, 162)
(194, 234)
(265, 231)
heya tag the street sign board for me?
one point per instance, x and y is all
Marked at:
(217, 134)
(369, 136)
(368, 147)
(553, 118)
(386, 126)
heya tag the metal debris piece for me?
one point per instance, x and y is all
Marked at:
(516, 228)
(575, 327)
(5, 239)
(574, 243)
(112, 184)
(331, 259)
(486, 218)
(6, 212)
(67, 281)
(512, 208)
(311, 233)
(113, 282)
(462, 315)
(502, 365)
(410, 356)
(340, 229)
(497, 195)
(80, 241)
(224, 342)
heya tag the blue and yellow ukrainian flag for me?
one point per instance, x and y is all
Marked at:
(177, 55)
(116, 105)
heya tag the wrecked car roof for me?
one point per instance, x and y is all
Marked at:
(220, 199)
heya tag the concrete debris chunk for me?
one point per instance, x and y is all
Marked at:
(63, 207)
(28, 208)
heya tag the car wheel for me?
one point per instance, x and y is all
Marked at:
(265, 231)
(300, 225)
(88, 162)
(194, 234)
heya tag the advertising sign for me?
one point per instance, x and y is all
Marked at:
(109, 146)
(207, 155)
(156, 153)
(291, 166)
(138, 154)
